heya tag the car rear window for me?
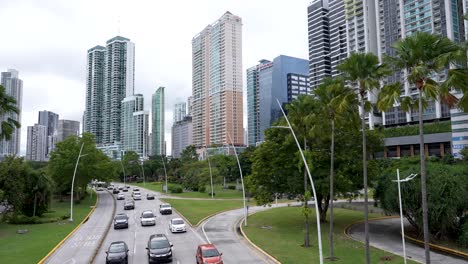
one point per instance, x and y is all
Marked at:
(115, 248)
(177, 222)
(148, 215)
(159, 243)
(165, 206)
(208, 253)
(120, 217)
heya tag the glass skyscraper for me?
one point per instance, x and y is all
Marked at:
(158, 142)
(134, 125)
(14, 88)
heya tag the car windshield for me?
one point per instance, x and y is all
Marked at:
(177, 222)
(208, 253)
(137, 193)
(116, 248)
(165, 206)
(120, 217)
(159, 243)
(148, 215)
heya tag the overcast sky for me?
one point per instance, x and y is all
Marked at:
(47, 41)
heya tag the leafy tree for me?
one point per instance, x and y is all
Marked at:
(364, 71)
(189, 154)
(423, 56)
(464, 153)
(131, 163)
(7, 107)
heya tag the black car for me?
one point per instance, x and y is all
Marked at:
(159, 248)
(129, 204)
(117, 253)
(165, 209)
(115, 191)
(125, 190)
(149, 196)
(120, 221)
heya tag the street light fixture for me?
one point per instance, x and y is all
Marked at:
(242, 180)
(73, 182)
(211, 174)
(319, 233)
(123, 170)
(165, 172)
(409, 178)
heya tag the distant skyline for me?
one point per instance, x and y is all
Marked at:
(48, 40)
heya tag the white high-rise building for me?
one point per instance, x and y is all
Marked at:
(14, 88)
(50, 120)
(36, 147)
(135, 125)
(180, 111)
(217, 109)
(67, 128)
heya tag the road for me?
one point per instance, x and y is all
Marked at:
(386, 234)
(136, 236)
(81, 245)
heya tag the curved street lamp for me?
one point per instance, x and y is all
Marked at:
(73, 182)
(211, 174)
(165, 172)
(242, 180)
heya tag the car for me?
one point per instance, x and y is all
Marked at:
(165, 209)
(120, 196)
(115, 191)
(117, 253)
(136, 196)
(177, 225)
(147, 218)
(136, 189)
(159, 248)
(120, 188)
(125, 190)
(129, 204)
(207, 253)
(149, 196)
(120, 221)
(99, 189)
(110, 188)
(128, 186)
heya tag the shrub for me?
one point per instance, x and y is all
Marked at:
(202, 188)
(463, 238)
(231, 187)
(23, 220)
(175, 189)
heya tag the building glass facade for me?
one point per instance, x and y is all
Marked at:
(157, 130)
(14, 88)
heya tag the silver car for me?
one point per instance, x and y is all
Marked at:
(147, 218)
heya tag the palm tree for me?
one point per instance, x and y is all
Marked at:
(365, 71)
(7, 107)
(423, 56)
(337, 100)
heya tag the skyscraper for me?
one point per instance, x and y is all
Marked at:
(67, 128)
(110, 78)
(49, 120)
(36, 146)
(181, 136)
(217, 83)
(158, 144)
(14, 88)
(179, 111)
(134, 125)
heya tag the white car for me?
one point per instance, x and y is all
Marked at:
(147, 218)
(120, 196)
(136, 196)
(177, 225)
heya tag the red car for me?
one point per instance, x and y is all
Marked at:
(207, 253)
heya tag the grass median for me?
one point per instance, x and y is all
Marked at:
(41, 238)
(280, 232)
(196, 210)
(220, 193)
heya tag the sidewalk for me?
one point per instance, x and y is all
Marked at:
(386, 234)
(80, 247)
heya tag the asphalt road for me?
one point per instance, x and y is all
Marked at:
(386, 234)
(80, 246)
(136, 236)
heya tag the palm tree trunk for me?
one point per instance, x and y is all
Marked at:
(332, 159)
(422, 155)
(364, 173)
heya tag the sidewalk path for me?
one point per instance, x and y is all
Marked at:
(385, 234)
(80, 247)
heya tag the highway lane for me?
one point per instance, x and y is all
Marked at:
(136, 236)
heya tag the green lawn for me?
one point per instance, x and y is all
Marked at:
(41, 238)
(196, 210)
(280, 233)
(220, 193)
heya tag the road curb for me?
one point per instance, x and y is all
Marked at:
(447, 251)
(252, 244)
(105, 233)
(71, 233)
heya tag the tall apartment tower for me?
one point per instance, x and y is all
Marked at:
(135, 125)
(158, 142)
(36, 146)
(14, 88)
(49, 120)
(217, 83)
(67, 128)
(110, 78)
(180, 111)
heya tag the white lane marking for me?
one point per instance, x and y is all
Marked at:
(70, 261)
(203, 229)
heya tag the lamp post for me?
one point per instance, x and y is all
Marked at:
(143, 172)
(73, 182)
(409, 178)
(165, 172)
(211, 174)
(123, 170)
(242, 181)
(319, 234)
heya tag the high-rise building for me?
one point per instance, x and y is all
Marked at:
(134, 125)
(179, 111)
(181, 136)
(67, 128)
(158, 145)
(283, 79)
(110, 78)
(50, 120)
(217, 83)
(189, 105)
(14, 88)
(36, 146)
